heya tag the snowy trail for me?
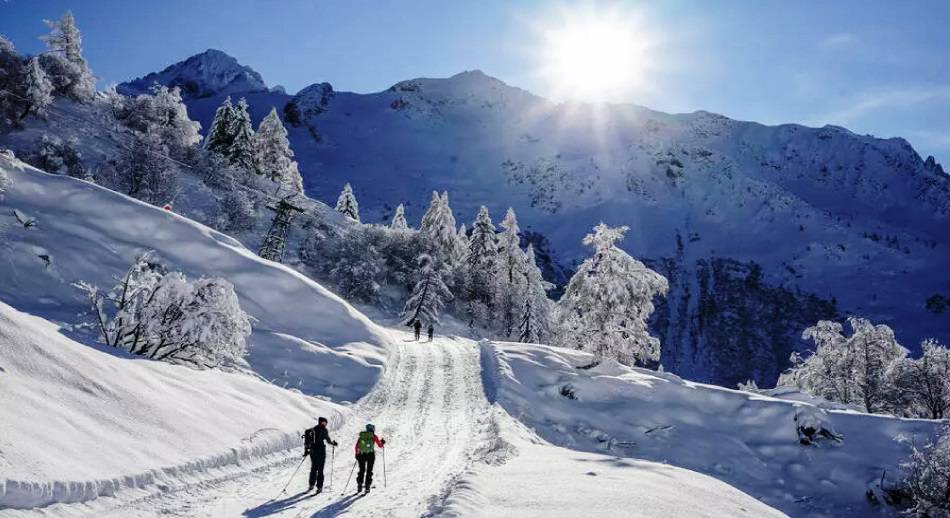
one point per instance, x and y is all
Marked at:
(430, 408)
(449, 452)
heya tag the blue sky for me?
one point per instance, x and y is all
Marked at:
(874, 67)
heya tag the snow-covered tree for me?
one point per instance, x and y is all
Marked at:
(163, 115)
(5, 183)
(438, 228)
(14, 104)
(273, 154)
(360, 268)
(399, 219)
(606, 304)
(347, 205)
(429, 295)
(928, 476)
(926, 381)
(57, 156)
(479, 271)
(859, 369)
(143, 171)
(511, 274)
(63, 63)
(37, 89)
(161, 315)
(219, 134)
(534, 325)
(240, 150)
(237, 212)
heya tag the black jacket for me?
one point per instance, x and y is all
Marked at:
(315, 440)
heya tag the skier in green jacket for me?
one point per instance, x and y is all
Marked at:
(366, 457)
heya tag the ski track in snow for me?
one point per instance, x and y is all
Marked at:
(447, 454)
(430, 408)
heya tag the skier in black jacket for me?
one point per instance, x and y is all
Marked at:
(314, 444)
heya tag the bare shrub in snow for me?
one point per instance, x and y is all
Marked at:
(859, 369)
(928, 476)
(57, 156)
(605, 308)
(163, 316)
(143, 171)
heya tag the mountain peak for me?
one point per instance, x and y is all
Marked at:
(211, 72)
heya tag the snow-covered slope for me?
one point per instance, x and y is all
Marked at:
(304, 336)
(748, 441)
(83, 422)
(209, 73)
(761, 230)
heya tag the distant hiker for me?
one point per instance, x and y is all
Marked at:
(314, 445)
(418, 328)
(366, 456)
(430, 331)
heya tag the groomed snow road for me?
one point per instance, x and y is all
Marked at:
(449, 452)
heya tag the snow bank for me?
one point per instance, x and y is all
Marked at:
(748, 441)
(81, 422)
(304, 336)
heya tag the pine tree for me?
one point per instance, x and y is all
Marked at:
(438, 227)
(536, 306)
(219, 135)
(608, 301)
(479, 271)
(461, 239)
(240, 152)
(37, 88)
(347, 205)
(429, 295)
(273, 154)
(511, 273)
(65, 64)
(399, 219)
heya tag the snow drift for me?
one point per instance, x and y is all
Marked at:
(66, 402)
(303, 336)
(83, 422)
(749, 441)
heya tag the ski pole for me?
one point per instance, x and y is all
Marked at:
(348, 478)
(332, 458)
(384, 467)
(282, 491)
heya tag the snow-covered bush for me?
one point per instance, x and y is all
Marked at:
(237, 212)
(142, 170)
(5, 183)
(928, 476)
(162, 114)
(858, 369)
(813, 426)
(925, 382)
(161, 315)
(605, 308)
(57, 156)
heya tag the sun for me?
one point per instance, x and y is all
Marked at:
(594, 56)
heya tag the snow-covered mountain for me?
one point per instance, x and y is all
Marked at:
(210, 73)
(760, 229)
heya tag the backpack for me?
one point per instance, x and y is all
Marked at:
(309, 438)
(366, 442)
